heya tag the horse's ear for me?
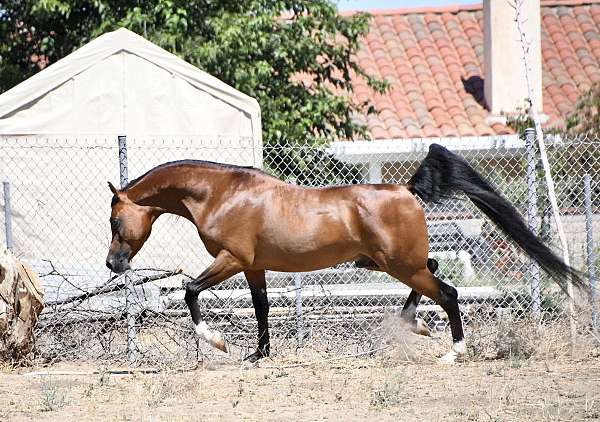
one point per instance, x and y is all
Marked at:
(114, 190)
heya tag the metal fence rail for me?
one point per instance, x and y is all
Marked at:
(60, 206)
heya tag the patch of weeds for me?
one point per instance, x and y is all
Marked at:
(390, 393)
(515, 362)
(280, 373)
(158, 391)
(89, 391)
(515, 341)
(161, 388)
(53, 397)
(103, 377)
(240, 391)
(388, 361)
(510, 338)
(462, 415)
(591, 412)
(495, 371)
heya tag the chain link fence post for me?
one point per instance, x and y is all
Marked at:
(130, 289)
(590, 256)
(299, 324)
(532, 218)
(7, 216)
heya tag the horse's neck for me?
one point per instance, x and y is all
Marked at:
(172, 194)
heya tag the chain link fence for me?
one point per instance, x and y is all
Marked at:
(61, 206)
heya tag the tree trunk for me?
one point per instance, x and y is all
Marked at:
(21, 301)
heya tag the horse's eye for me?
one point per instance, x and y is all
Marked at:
(114, 224)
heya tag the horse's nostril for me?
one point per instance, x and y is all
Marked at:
(109, 264)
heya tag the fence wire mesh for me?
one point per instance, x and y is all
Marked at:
(61, 205)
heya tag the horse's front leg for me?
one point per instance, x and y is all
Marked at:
(258, 289)
(224, 266)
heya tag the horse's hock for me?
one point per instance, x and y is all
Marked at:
(21, 301)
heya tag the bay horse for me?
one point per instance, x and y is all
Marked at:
(251, 222)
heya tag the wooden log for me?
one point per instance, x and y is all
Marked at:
(21, 301)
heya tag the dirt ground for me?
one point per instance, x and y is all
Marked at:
(391, 385)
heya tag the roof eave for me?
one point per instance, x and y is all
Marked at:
(364, 151)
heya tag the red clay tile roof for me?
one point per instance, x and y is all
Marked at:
(433, 58)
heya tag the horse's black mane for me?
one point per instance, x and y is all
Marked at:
(200, 163)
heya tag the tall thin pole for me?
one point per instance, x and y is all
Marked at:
(130, 293)
(590, 256)
(7, 216)
(532, 218)
(299, 324)
(532, 111)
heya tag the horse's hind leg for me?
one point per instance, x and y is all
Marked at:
(258, 289)
(449, 303)
(409, 311)
(425, 283)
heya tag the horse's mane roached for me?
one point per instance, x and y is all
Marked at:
(199, 163)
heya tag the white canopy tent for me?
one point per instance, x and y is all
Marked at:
(120, 83)
(58, 147)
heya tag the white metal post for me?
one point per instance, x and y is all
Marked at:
(532, 218)
(299, 324)
(374, 171)
(590, 256)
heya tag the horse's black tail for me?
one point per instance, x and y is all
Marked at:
(443, 174)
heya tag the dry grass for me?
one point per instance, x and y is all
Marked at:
(532, 375)
(363, 388)
(53, 395)
(391, 392)
(524, 339)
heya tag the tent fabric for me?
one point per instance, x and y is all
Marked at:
(58, 147)
(120, 83)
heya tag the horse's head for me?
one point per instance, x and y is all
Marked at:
(130, 224)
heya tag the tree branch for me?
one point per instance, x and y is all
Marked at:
(112, 288)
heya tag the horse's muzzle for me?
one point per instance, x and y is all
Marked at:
(118, 263)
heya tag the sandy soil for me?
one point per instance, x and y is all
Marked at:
(541, 376)
(387, 386)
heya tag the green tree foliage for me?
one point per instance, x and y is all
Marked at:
(295, 57)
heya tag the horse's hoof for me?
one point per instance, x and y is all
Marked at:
(458, 349)
(218, 342)
(421, 328)
(254, 357)
(449, 358)
(212, 337)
